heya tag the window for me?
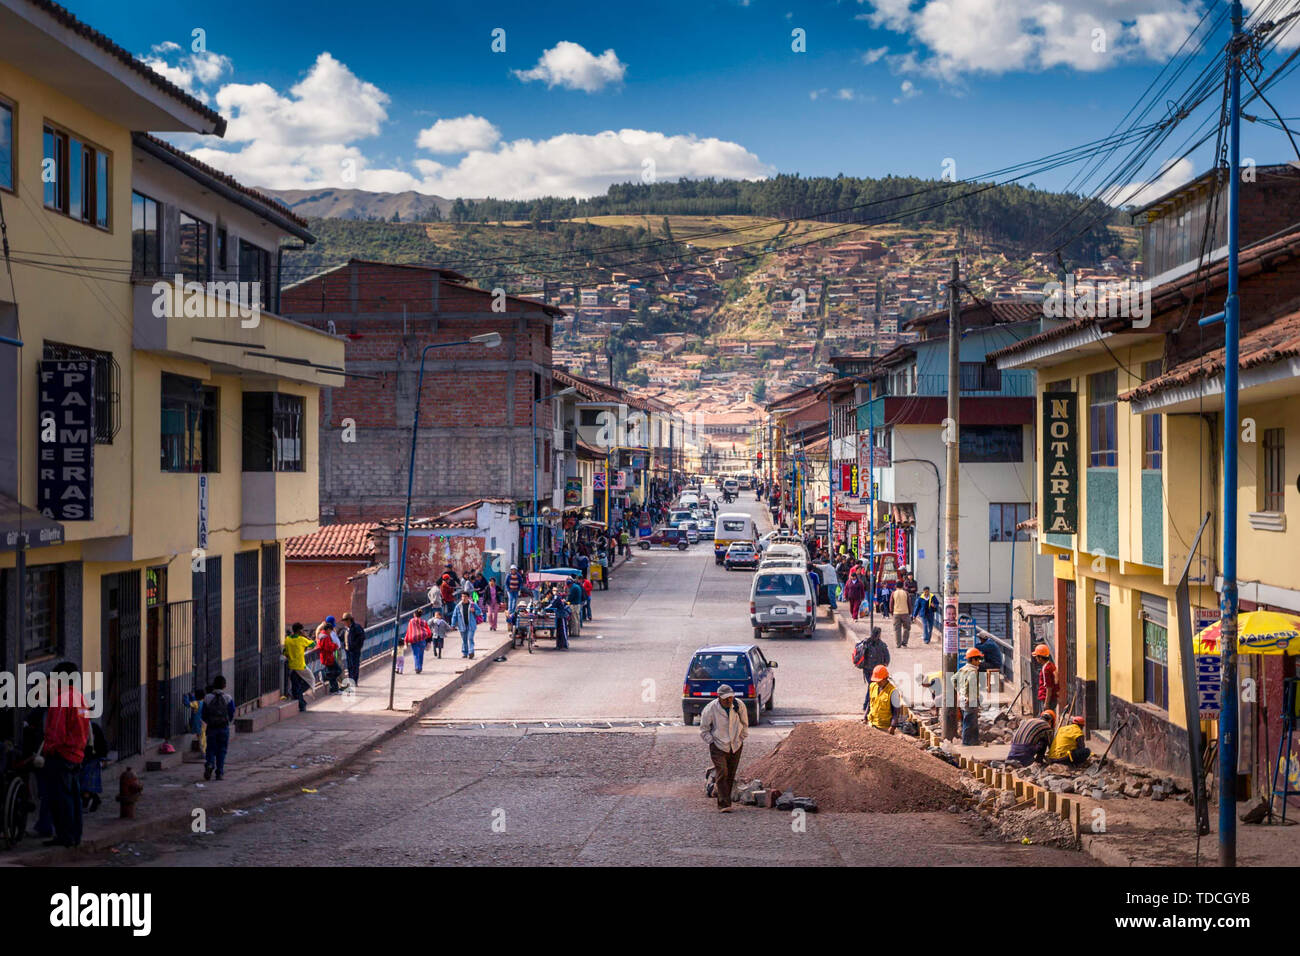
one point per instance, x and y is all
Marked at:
(994, 618)
(194, 249)
(223, 251)
(108, 374)
(6, 146)
(1102, 443)
(1003, 519)
(1155, 664)
(146, 247)
(273, 432)
(189, 425)
(589, 417)
(75, 175)
(991, 444)
(1153, 429)
(254, 266)
(980, 377)
(1274, 450)
(42, 631)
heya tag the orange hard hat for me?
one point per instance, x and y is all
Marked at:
(1080, 721)
(973, 652)
(880, 673)
(1042, 651)
(1049, 715)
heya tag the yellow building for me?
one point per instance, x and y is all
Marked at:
(1130, 451)
(156, 440)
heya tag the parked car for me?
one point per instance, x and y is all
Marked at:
(781, 600)
(742, 666)
(692, 529)
(675, 518)
(665, 538)
(707, 527)
(740, 554)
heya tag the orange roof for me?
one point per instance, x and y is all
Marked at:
(337, 542)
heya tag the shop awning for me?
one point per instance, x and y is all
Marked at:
(24, 527)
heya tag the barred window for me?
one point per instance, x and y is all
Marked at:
(1153, 438)
(1102, 439)
(1274, 449)
(108, 388)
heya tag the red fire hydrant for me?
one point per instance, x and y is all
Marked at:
(129, 789)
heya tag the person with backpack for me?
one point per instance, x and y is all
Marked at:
(217, 711)
(868, 654)
(326, 647)
(418, 636)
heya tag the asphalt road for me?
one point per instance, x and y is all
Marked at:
(531, 786)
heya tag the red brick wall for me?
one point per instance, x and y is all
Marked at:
(475, 403)
(314, 591)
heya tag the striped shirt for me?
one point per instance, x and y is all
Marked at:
(1031, 733)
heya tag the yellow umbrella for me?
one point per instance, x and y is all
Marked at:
(1258, 632)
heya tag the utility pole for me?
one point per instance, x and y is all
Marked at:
(951, 509)
(1229, 693)
(871, 499)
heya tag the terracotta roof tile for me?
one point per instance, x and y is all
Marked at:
(65, 17)
(340, 542)
(1274, 342)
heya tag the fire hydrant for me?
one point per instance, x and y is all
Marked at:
(129, 789)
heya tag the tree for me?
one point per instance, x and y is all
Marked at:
(760, 390)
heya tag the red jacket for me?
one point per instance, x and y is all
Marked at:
(586, 585)
(417, 630)
(1047, 681)
(326, 645)
(67, 728)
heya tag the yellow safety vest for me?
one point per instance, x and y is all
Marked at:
(880, 714)
(1067, 739)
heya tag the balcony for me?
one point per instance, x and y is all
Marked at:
(210, 325)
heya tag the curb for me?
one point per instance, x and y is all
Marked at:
(307, 779)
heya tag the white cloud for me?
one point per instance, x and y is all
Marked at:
(1173, 174)
(814, 94)
(191, 72)
(956, 37)
(844, 94)
(871, 56)
(459, 135)
(906, 90)
(575, 164)
(571, 66)
(308, 137)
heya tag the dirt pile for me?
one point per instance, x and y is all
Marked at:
(850, 767)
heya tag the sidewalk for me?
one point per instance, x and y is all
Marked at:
(282, 755)
(277, 750)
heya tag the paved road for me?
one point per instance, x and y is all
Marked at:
(624, 788)
(632, 657)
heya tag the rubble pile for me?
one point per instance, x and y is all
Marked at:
(1018, 822)
(846, 766)
(1110, 783)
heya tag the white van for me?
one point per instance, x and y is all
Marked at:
(732, 526)
(781, 599)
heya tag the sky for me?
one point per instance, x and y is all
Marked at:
(518, 100)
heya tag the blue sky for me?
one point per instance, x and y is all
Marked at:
(349, 94)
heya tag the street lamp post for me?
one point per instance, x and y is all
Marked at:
(489, 340)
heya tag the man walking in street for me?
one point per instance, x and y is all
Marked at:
(301, 680)
(900, 606)
(868, 654)
(514, 584)
(724, 725)
(217, 711)
(354, 639)
(967, 687)
(465, 620)
(926, 609)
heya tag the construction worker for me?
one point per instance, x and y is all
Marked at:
(1067, 746)
(1047, 686)
(884, 703)
(1030, 741)
(967, 686)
